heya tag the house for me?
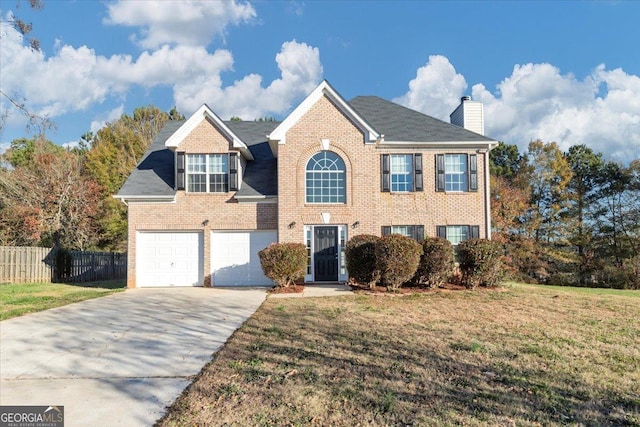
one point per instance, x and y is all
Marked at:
(209, 194)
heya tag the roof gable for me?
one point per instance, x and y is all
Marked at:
(204, 113)
(323, 89)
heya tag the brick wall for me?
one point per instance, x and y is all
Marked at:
(365, 202)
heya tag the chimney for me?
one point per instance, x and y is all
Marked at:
(469, 115)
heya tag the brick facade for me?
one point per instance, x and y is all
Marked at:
(365, 205)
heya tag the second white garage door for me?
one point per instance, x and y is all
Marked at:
(234, 257)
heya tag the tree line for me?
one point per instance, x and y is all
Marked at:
(567, 218)
(51, 195)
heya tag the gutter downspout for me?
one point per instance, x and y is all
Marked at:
(487, 194)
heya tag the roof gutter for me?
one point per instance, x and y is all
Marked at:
(148, 199)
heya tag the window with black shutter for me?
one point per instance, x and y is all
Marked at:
(401, 173)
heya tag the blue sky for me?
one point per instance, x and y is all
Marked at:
(558, 71)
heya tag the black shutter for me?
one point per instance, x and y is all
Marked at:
(386, 229)
(441, 231)
(439, 172)
(233, 171)
(473, 172)
(418, 233)
(386, 173)
(417, 172)
(180, 158)
(475, 232)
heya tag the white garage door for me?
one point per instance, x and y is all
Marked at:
(234, 257)
(169, 259)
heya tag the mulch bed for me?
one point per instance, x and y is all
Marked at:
(408, 290)
(292, 289)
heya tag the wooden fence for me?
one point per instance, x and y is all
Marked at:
(33, 264)
(20, 264)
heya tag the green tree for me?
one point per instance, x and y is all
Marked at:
(548, 174)
(587, 168)
(505, 161)
(22, 151)
(115, 151)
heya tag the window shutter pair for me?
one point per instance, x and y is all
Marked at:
(233, 171)
(472, 169)
(417, 231)
(474, 231)
(386, 172)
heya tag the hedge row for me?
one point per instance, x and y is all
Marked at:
(394, 260)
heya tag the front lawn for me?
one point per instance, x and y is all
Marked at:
(17, 299)
(517, 356)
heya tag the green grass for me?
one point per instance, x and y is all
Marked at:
(17, 299)
(518, 356)
(582, 290)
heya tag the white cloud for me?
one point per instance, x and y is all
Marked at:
(110, 116)
(300, 70)
(186, 22)
(601, 111)
(537, 101)
(436, 90)
(75, 79)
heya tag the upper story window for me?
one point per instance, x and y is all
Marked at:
(457, 172)
(208, 173)
(401, 173)
(325, 179)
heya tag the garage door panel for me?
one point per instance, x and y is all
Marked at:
(235, 260)
(169, 259)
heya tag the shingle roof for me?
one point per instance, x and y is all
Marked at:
(260, 175)
(154, 175)
(398, 123)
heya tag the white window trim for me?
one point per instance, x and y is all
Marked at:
(207, 173)
(465, 173)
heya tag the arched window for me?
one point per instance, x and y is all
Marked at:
(326, 179)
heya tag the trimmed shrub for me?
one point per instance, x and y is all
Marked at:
(397, 259)
(480, 262)
(437, 263)
(361, 259)
(284, 262)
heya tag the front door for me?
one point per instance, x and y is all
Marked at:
(325, 254)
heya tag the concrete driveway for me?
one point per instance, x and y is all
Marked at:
(120, 359)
